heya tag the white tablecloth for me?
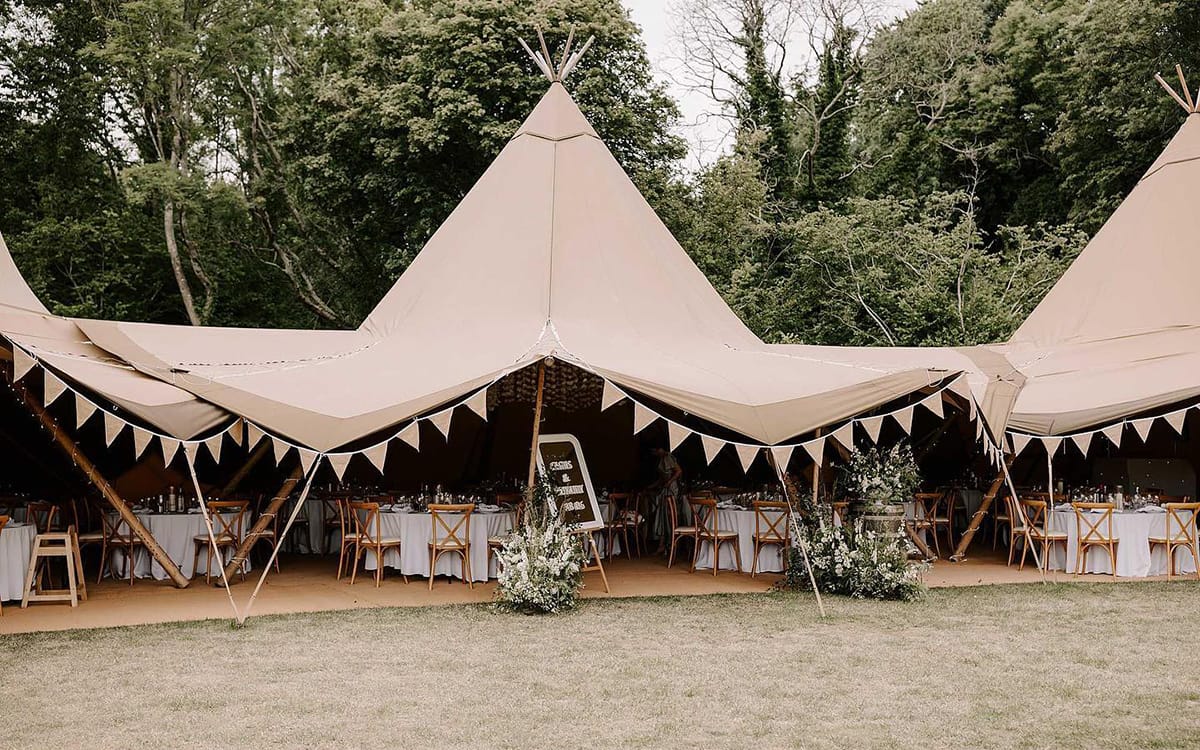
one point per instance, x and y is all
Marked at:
(16, 545)
(770, 558)
(174, 532)
(1134, 560)
(415, 530)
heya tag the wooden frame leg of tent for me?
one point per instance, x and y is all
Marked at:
(64, 441)
(788, 492)
(537, 430)
(960, 553)
(265, 519)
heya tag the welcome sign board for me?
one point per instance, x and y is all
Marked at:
(560, 460)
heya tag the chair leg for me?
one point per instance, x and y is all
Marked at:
(354, 570)
(671, 557)
(1112, 556)
(432, 563)
(737, 553)
(467, 567)
(378, 566)
(754, 563)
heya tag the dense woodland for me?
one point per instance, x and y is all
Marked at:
(280, 162)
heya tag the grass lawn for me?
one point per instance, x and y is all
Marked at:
(1069, 665)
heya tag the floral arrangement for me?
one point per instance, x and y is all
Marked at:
(857, 562)
(882, 476)
(541, 562)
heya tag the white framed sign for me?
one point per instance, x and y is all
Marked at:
(560, 460)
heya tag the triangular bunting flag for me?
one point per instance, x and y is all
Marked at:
(1142, 427)
(214, 446)
(170, 446)
(141, 440)
(816, 450)
(1176, 420)
(235, 431)
(934, 405)
(112, 427)
(478, 403)
(22, 363)
(676, 434)
(281, 449)
(1113, 433)
(972, 409)
(960, 387)
(782, 454)
(307, 458)
(52, 387)
(411, 435)
(1051, 443)
(642, 417)
(84, 409)
(747, 454)
(712, 447)
(611, 396)
(904, 418)
(253, 435)
(377, 455)
(1019, 442)
(844, 436)
(441, 420)
(872, 426)
(338, 462)
(1083, 441)
(978, 428)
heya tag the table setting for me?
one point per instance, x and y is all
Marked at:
(735, 512)
(1136, 518)
(174, 521)
(16, 545)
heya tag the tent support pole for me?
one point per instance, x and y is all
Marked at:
(816, 483)
(68, 446)
(985, 505)
(189, 451)
(265, 519)
(799, 540)
(236, 480)
(537, 430)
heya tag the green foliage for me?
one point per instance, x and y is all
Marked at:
(857, 562)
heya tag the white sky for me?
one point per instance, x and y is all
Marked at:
(705, 134)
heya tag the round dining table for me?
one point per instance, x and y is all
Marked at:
(175, 533)
(16, 546)
(415, 531)
(770, 557)
(1133, 530)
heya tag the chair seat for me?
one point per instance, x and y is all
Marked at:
(940, 519)
(1053, 536)
(497, 541)
(221, 538)
(1165, 540)
(719, 535)
(682, 530)
(91, 536)
(1105, 540)
(769, 538)
(387, 541)
(125, 541)
(449, 545)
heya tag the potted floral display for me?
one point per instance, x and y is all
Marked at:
(878, 482)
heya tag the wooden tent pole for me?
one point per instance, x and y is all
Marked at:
(799, 541)
(266, 519)
(816, 483)
(64, 441)
(960, 553)
(537, 429)
(236, 481)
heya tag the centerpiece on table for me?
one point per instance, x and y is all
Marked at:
(879, 482)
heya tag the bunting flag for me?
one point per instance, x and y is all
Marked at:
(782, 455)
(478, 403)
(747, 454)
(1019, 442)
(235, 431)
(22, 363)
(844, 436)
(141, 440)
(611, 396)
(441, 420)
(307, 458)
(816, 450)
(978, 428)
(642, 417)
(872, 426)
(52, 387)
(1142, 427)
(170, 446)
(1176, 420)
(84, 410)
(1051, 443)
(1113, 433)
(959, 386)
(112, 428)
(1083, 442)
(712, 447)
(904, 418)
(377, 455)
(934, 405)
(253, 435)
(281, 449)
(972, 409)
(214, 446)
(411, 435)
(978, 390)
(676, 434)
(338, 462)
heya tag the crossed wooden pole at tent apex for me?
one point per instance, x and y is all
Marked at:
(566, 63)
(1190, 105)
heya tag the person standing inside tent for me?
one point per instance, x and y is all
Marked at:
(669, 490)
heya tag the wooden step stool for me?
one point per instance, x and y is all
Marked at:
(63, 544)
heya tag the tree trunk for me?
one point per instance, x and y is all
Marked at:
(181, 279)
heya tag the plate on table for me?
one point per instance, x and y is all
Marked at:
(487, 508)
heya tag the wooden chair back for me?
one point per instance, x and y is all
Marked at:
(1035, 514)
(1181, 523)
(925, 507)
(364, 515)
(706, 518)
(115, 529)
(41, 514)
(228, 528)
(1092, 528)
(771, 521)
(451, 523)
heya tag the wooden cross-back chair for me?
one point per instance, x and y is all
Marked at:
(1014, 523)
(344, 527)
(42, 515)
(1036, 525)
(771, 528)
(679, 532)
(451, 527)
(226, 531)
(933, 516)
(924, 510)
(622, 519)
(270, 534)
(708, 529)
(334, 521)
(1094, 528)
(1180, 533)
(117, 537)
(368, 537)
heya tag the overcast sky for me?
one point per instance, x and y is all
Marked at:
(706, 135)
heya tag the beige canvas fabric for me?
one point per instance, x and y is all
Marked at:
(552, 253)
